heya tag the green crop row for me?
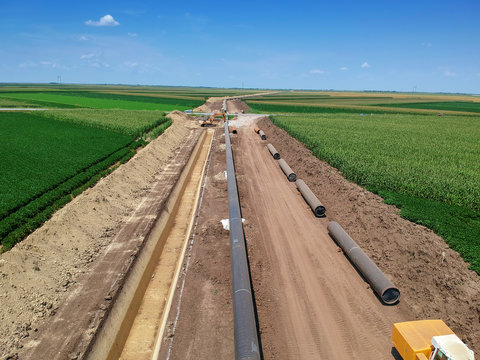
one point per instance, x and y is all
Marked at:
(272, 108)
(466, 106)
(129, 122)
(26, 218)
(67, 100)
(159, 130)
(428, 166)
(39, 153)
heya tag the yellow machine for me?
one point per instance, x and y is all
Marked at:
(428, 340)
(210, 122)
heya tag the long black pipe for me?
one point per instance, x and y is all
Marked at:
(375, 277)
(273, 151)
(245, 329)
(315, 204)
(287, 170)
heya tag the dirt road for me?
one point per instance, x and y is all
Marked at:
(311, 302)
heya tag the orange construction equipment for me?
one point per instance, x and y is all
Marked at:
(428, 340)
(210, 122)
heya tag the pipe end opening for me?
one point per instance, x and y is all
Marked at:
(292, 177)
(276, 156)
(319, 211)
(264, 137)
(391, 296)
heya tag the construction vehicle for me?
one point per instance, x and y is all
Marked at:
(210, 122)
(428, 340)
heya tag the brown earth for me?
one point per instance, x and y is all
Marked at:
(213, 104)
(46, 271)
(434, 280)
(204, 328)
(311, 303)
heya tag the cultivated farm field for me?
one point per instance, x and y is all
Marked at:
(427, 165)
(49, 157)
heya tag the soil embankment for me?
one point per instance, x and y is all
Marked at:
(56, 264)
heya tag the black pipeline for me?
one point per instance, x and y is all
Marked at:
(273, 151)
(262, 135)
(315, 204)
(379, 282)
(287, 170)
(245, 329)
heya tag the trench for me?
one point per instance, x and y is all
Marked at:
(136, 325)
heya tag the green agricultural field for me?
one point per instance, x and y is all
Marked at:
(376, 103)
(467, 106)
(63, 100)
(130, 122)
(50, 156)
(429, 166)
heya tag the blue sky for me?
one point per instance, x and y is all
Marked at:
(343, 45)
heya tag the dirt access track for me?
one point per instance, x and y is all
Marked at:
(311, 303)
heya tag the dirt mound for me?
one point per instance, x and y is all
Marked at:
(237, 106)
(39, 273)
(434, 280)
(184, 119)
(213, 104)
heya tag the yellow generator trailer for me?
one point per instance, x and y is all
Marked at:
(428, 340)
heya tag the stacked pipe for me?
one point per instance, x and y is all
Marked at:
(273, 151)
(315, 204)
(382, 286)
(245, 330)
(287, 170)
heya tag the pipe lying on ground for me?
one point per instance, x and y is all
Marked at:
(256, 130)
(274, 152)
(262, 135)
(244, 325)
(315, 204)
(234, 129)
(379, 282)
(287, 170)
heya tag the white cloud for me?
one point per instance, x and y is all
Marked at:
(106, 20)
(130, 64)
(132, 34)
(365, 65)
(447, 71)
(344, 68)
(49, 63)
(28, 64)
(318, 72)
(87, 56)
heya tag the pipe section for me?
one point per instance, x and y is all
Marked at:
(315, 204)
(262, 135)
(287, 170)
(245, 329)
(379, 282)
(273, 151)
(234, 129)
(256, 130)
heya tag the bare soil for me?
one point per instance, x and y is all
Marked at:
(204, 328)
(434, 280)
(214, 104)
(46, 271)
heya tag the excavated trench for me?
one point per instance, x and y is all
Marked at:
(137, 321)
